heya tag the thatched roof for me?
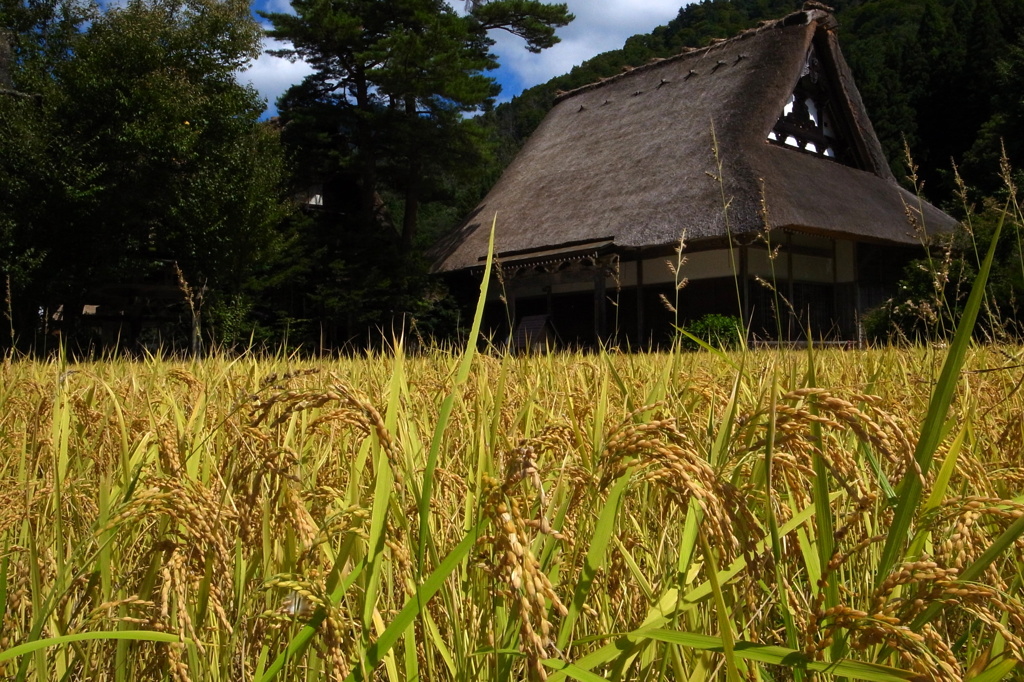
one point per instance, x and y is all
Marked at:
(632, 159)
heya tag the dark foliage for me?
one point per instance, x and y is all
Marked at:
(934, 290)
(140, 171)
(718, 331)
(378, 130)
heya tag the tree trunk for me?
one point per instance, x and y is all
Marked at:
(412, 189)
(412, 210)
(366, 162)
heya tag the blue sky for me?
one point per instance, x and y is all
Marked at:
(600, 25)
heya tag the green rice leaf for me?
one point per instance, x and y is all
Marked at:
(938, 408)
(133, 635)
(721, 612)
(946, 471)
(375, 544)
(670, 604)
(466, 364)
(376, 651)
(724, 356)
(825, 540)
(572, 671)
(792, 635)
(777, 655)
(596, 556)
(996, 672)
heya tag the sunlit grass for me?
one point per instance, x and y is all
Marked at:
(578, 505)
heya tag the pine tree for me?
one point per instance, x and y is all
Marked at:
(393, 78)
(380, 125)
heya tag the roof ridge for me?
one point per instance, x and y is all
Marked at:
(802, 17)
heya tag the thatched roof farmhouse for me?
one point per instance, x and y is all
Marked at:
(756, 151)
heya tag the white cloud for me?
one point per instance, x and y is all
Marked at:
(271, 76)
(600, 26)
(278, 6)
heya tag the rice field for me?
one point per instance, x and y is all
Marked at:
(759, 515)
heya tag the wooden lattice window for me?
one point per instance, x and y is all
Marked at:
(808, 120)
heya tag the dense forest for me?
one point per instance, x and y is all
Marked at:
(135, 176)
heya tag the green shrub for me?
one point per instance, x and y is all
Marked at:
(719, 331)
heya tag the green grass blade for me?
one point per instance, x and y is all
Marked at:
(376, 651)
(688, 541)
(442, 647)
(466, 364)
(792, 635)
(569, 670)
(777, 655)
(946, 471)
(596, 555)
(868, 453)
(725, 430)
(375, 544)
(939, 488)
(637, 573)
(938, 407)
(721, 612)
(134, 635)
(825, 541)
(672, 603)
(722, 355)
(996, 672)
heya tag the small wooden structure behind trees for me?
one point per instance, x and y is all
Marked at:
(755, 152)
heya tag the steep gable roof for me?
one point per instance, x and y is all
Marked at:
(647, 156)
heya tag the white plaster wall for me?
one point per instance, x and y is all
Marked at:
(846, 261)
(805, 268)
(759, 263)
(812, 269)
(697, 265)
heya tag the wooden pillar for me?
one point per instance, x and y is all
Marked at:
(789, 289)
(599, 294)
(640, 300)
(858, 329)
(837, 318)
(745, 286)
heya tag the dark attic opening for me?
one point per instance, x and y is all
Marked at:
(811, 120)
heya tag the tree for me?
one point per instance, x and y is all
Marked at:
(35, 39)
(149, 152)
(1004, 129)
(380, 125)
(393, 77)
